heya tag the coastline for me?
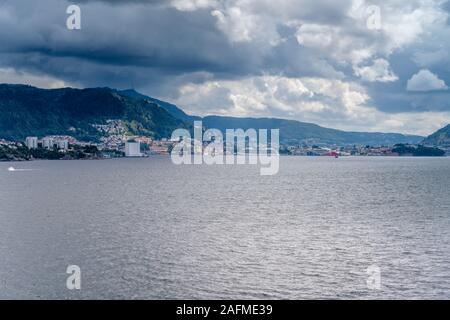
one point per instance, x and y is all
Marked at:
(281, 156)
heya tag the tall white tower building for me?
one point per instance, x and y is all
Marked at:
(133, 149)
(31, 142)
(47, 143)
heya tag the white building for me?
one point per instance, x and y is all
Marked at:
(133, 149)
(47, 143)
(62, 144)
(31, 142)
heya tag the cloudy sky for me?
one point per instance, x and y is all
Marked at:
(349, 64)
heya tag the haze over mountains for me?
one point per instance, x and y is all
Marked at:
(26, 110)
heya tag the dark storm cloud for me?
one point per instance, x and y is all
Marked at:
(144, 44)
(160, 46)
(163, 41)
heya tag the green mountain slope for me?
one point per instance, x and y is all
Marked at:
(26, 111)
(171, 108)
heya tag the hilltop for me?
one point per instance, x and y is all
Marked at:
(29, 111)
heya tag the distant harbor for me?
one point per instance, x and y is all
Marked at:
(69, 148)
(116, 142)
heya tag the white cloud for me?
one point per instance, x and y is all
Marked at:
(260, 95)
(330, 103)
(379, 71)
(243, 26)
(192, 5)
(405, 24)
(425, 80)
(342, 35)
(233, 23)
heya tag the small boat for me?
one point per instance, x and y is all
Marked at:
(11, 169)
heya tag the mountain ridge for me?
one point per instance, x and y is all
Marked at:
(291, 131)
(169, 107)
(439, 138)
(27, 110)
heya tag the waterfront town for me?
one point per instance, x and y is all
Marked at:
(115, 142)
(127, 146)
(138, 146)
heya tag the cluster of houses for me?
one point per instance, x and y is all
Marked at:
(114, 137)
(4, 142)
(333, 151)
(139, 146)
(131, 146)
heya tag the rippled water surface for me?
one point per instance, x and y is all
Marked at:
(145, 228)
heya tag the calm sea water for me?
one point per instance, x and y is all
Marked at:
(147, 229)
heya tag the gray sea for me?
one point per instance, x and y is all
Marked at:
(147, 229)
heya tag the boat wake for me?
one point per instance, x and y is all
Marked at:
(12, 169)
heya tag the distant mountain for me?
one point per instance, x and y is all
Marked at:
(292, 132)
(439, 138)
(29, 111)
